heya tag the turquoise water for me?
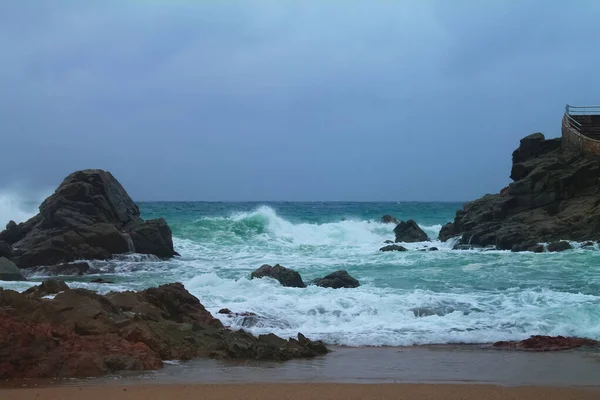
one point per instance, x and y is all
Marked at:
(405, 298)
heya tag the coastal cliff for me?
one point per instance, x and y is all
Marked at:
(555, 195)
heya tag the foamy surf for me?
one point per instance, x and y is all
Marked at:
(405, 298)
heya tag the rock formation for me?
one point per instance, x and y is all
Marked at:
(89, 216)
(287, 277)
(389, 219)
(393, 247)
(337, 280)
(9, 271)
(547, 343)
(409, 232)
(81, 333)
(555, 196)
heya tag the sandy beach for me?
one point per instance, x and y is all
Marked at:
(303, 392)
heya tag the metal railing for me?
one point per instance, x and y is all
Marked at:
(574, 111)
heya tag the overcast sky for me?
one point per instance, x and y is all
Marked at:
(288, 100)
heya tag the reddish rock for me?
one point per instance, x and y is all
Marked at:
(81, 333)
(547, 343)
(30, 349)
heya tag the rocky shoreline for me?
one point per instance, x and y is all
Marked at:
(554, 197)
(52, 330)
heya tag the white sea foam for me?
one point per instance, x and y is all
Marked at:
(376, 316)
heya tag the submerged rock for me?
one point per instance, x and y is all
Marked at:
(388, 219)
(409, 232)
(532, 247)
(337, 280)
(547, 343)
(67, 269)
(393, 247)
(287, 277)
(81, 333)
(9, 271)
(555, 195)
(559, 246)
(389, 242)
(89, 216)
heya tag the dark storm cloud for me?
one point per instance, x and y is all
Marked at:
(282, 100)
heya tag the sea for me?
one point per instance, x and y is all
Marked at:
(405, 298)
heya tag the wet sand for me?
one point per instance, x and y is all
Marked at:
(432, 364)
(433, 372)
(302, 392)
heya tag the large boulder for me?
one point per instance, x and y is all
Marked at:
(555, 195)
(409, 232)
(559, 246)
(287, 277)
(9, 271)
(89, 216)
(81, 333)
(337, 280)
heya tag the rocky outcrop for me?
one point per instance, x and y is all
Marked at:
(555, 196)
(547, 343)
(5, 249)
(9, 271)
(409, 232)
(392, 247)
(287, 277)
(389, 219)
(81, 333)
(337, 280)
(78, 268)
(89, 216)
(559, 246)
(529, 246)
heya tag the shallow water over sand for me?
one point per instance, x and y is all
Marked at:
(436, 364)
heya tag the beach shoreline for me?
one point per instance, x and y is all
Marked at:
(303, 391)
(431, 365)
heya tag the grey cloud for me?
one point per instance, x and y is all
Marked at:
(282, 100)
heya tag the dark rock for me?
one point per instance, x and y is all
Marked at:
(224, 311)
(153, 237)
(555, 195)
(467, 247)
(81, 333)
(559, 246)
(337, 280)
(388, 219)
(547, 343)
(432, 249)
(9, 271)
(389, 242)
(12, 233)
(587, 245)
(6, 249)
(49, 287)
(68, 269)
(393, 247)
(531, 246)
(89, 216)
(287, 277)
(409, 232)
(100, 280)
